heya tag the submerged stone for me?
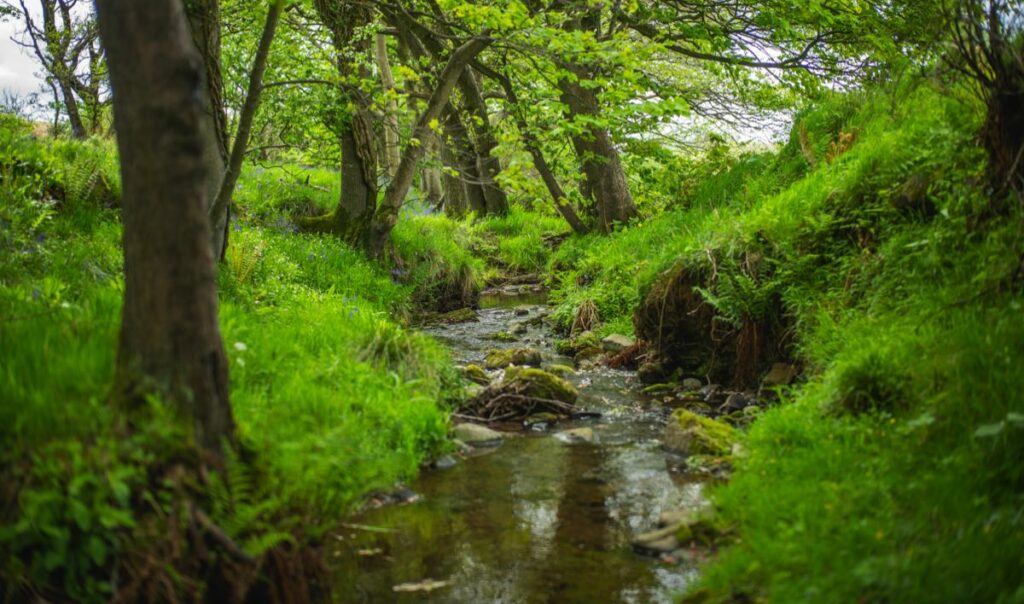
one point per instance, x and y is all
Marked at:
(576, 435)
(691, 434)
(499, 359)
(476, 435)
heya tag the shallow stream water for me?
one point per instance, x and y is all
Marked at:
(536, 520)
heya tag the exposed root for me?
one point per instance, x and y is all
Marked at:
(628, 357)
(587, 318)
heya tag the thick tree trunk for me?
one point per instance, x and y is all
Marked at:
(597, 155)
(358, 200)
(387, 214)
(170, 342)
(488, 166)
(219, 209)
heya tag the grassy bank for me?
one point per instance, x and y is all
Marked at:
(333, 396)
(890, 474)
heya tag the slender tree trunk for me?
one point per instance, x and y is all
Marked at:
(539, 162)
(430, 175)
(487, 167)
(219, 209)
(387, 214)
(170, 342)
(391, 148)
(454, 198)
(71, 108)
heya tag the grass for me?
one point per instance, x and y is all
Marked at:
(333, 396)
(893, 474)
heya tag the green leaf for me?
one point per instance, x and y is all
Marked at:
(989, 430)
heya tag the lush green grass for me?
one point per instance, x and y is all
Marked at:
(515, 242)
(332, 395)
(893, 474)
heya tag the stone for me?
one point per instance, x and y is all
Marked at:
(617, 342)
(587, 354)
(462, 315)
(517, 328)
(658, 389)
(522, 310)
(572, 346)
(576, 435)
(476, 435)
(444, 462)
(503, 336)
(656, 542)
(736, 401)
(692, 434)
(540, 421)
(691, 384)
(476, 374)
(499, 359)
(781, 374)
(560, 370)
(537, 383)
(652, 373)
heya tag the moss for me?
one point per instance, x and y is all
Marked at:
(537, 383)
(502, 336)
(692, 434)
(476, 373)
(572, 346)
(462, 315)
(499, 359)
(560, 370)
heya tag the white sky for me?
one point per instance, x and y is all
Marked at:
(18, 66)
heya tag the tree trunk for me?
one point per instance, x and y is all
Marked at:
(487, 167)
(358, 200)
(204, 29)
(597, 155)
(219, 209)
(170, 342)
(71, 108)
(387, 214)
(539, 162)
(387, 80)
(454, 199)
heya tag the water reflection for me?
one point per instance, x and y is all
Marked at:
(536, 521)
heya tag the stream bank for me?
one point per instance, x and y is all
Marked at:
(547, 516)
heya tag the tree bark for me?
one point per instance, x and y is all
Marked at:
(387, 80)
(597, 155)
(170, 344)
(219, 210)
(387, 214)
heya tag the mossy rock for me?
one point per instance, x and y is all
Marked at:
(583, 341)
(692, 434)
(560, 370)
(499, 359)
(503, 336)
(476, 374)
(462, 315)
(540, 384)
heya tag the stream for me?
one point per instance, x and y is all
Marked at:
(538, 519)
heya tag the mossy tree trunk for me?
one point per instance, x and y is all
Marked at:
(170, 344)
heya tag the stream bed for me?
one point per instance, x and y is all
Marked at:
(538, 519)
